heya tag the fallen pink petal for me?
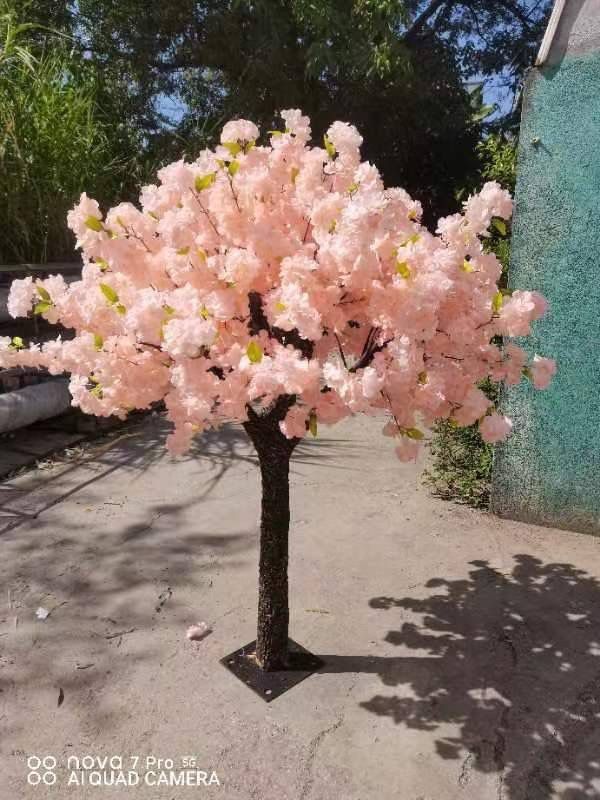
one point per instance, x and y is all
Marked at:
(197, 632)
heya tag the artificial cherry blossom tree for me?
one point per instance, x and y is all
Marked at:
(282, 286)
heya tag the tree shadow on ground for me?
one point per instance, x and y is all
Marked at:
(510, 658)
(136, 450)
(137, 562)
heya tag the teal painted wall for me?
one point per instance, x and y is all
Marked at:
(548, 472)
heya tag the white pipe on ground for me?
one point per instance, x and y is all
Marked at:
(33, 403)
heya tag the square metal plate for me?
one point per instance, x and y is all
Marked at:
(270, 685)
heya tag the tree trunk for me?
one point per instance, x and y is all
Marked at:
(274, 452)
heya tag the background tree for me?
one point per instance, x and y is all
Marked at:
(155, 81)
(399, 69)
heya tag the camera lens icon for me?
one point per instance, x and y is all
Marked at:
(41, 770)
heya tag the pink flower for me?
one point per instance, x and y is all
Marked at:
(519, 311)
(491, 201)
(345, 138)
(21, 297)
(294, 424)
(474, 406)
(197, 632)
(407, 449)
(239, 130)
(542, 371)
(253, 272)
(186, 337)
(296, 123)
(85, 220)
(495, 428)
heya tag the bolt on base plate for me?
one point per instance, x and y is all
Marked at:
(269, 685)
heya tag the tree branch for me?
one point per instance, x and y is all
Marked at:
(369, 354)
(423, 18)
(339, 344)
(259, 322)
(515, 9)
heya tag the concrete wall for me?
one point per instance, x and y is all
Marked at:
(578, 30)
(549, 471)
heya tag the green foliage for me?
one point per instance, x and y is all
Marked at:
(461, 462)
(498, 156)
(55, 142)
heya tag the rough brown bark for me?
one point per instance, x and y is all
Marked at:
(274, 452)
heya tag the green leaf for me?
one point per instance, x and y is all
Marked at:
(102, 263)
(483, 113)
(109, 293)
(403, 269)
(275, 133)
(295, 173)
(412, 239)
(17, 343)
(233, 147)
(497, 301)
(183, 251)
(169, 310)
(97, 391)
(204, 312)
(44, 294)
(40, 308)
(94, 224)
(414, 433)
(329, 146)
(352, 189)
(233, 167)
(98, 341)
(312, 423)
(153, 216)
(120, 309)
(254, 352)
(204, 181)
(500, 225)
(526, 372)
(249, 145)
(467, 266)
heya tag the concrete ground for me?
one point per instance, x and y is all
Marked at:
(462, 652)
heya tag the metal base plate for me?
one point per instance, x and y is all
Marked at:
(269, 685)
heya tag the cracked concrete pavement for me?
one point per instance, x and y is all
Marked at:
(462, 652)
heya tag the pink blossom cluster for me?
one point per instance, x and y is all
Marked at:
(261, 270)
